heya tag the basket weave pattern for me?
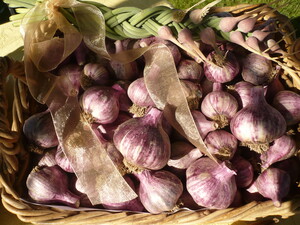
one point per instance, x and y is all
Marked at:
(14, 161)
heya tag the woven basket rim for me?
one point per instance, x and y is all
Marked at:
(51, 215)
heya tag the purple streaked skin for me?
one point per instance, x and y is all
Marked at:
(219, 104)
(142, 143)
(288, 104)
(159, 191)
(138, 93)
(210, 184)
(225, 70)
(221, 144)
(273, 184)
(257, 124)
(282, 148)
(102, 103)
(204, 126)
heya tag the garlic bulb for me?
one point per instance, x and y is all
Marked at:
(39, 129)
(159, 191)
(210, 184)
(50, 185)
(219, 106)
(257, 124)
(143, 142)
(221, 144)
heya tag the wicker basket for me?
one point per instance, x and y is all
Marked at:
(17, 105)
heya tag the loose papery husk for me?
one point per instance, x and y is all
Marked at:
(15, 158)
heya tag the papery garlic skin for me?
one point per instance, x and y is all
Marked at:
(221, 144)
(39, 129)
(138, 93)
(211, 185)
(273, 184)
(224, 70)
(101, 103)
(219, 106)
(143, 142)
(282, 148)
(50, 185)
(159, 191)
(288, 104)
(257, 124)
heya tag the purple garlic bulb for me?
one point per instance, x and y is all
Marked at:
(257, 69)
(138, 93)
(288, 104)
(244, 171)
(211, 185)
(257, 124)
(221, 144)
(39, 130)
(95, 74)
(50, 185)
(282, 148)
(219, 106)
(159, 191)
(190, 70)
(142, 141)
(70, 79)
(225, 68)
(273, 184)
(101, 104)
